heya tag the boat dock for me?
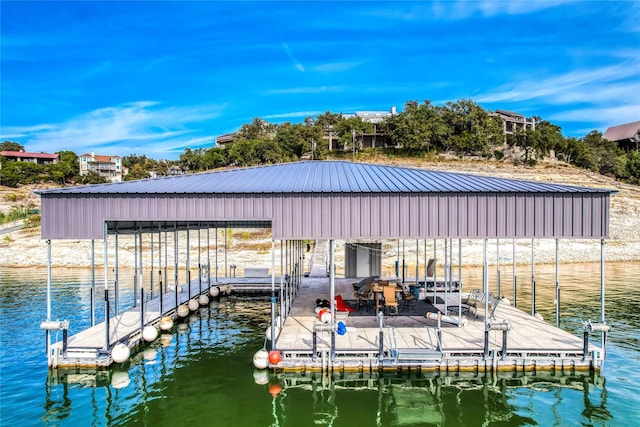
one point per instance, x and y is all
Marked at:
(361, 207)
(413, 342)
(87, 348)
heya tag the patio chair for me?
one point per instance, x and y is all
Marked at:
(363, 298)
(390, 300)
(409, 301)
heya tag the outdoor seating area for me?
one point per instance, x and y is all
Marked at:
(375, 295)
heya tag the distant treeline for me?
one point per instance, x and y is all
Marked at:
(461, 128)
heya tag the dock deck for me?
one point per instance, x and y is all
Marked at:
(86, 349)
(411, 341)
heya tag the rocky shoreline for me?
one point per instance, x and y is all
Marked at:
(25, 248)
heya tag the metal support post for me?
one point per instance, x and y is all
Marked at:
(106, 286)
(93, 283)
(314, 347)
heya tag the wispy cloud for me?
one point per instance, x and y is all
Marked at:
(295, 61)
(575, 86)
(128, 125)
(305, 90)
(334, 67)
(602, 117)
(292, 114)
(462, 9)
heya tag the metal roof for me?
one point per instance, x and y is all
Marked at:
(323, 177)
(621, 132)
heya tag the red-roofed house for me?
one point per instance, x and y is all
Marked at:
(627, 136)
(37, 158)
(110, 167)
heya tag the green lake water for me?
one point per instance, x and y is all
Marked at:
(201, 374)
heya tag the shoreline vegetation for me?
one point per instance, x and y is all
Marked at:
(25, 248)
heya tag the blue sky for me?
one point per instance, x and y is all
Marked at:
(155, 77)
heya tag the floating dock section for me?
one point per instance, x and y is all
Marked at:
(515, 341)
(87, 348)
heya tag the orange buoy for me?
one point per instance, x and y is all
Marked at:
(275, 357)
(275, 389)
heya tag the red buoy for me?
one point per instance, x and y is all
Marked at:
(275, 389)
(275, 357)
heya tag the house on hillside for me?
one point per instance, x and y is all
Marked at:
(226, 139)
(109, 167)
(378, 137)
(37, 158)
(627, 136)
(514, 121)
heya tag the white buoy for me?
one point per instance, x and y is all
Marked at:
(120, 379)
(268, 332)
(120, 353)
(203, 299)
(193, 305)
(214, 291)
(150, 353)
(261, 359)
(165, 339)
(324, 315)
(149, 333)
(538, 316)
(261, 377)
(166, 323)
(183, 310)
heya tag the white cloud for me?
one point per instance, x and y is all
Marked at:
(594, 85)
(334, 67)
(292, 114)
(448, 10)
(305, 90)
(604, 117)
(144, 124)
(296, 63)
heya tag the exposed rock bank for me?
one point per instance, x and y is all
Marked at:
(24, 248)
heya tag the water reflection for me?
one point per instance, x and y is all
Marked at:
(200, 372)
(437, 400)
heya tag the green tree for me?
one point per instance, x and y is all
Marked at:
(328, 121)
(473, 130)
(633, 167)
(11, 146)
(289, 139)
(137, 171)
(191, 160)
(243, 152)
(267, 152)
(418, 127)
(66, 169)
(13, 174)
(348, 130)
(538, 143)
(257, 129)
(92, 177)
(215, 157)
(609, 158)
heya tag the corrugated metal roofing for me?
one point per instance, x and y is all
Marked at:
(621, 132)
(324, 177)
